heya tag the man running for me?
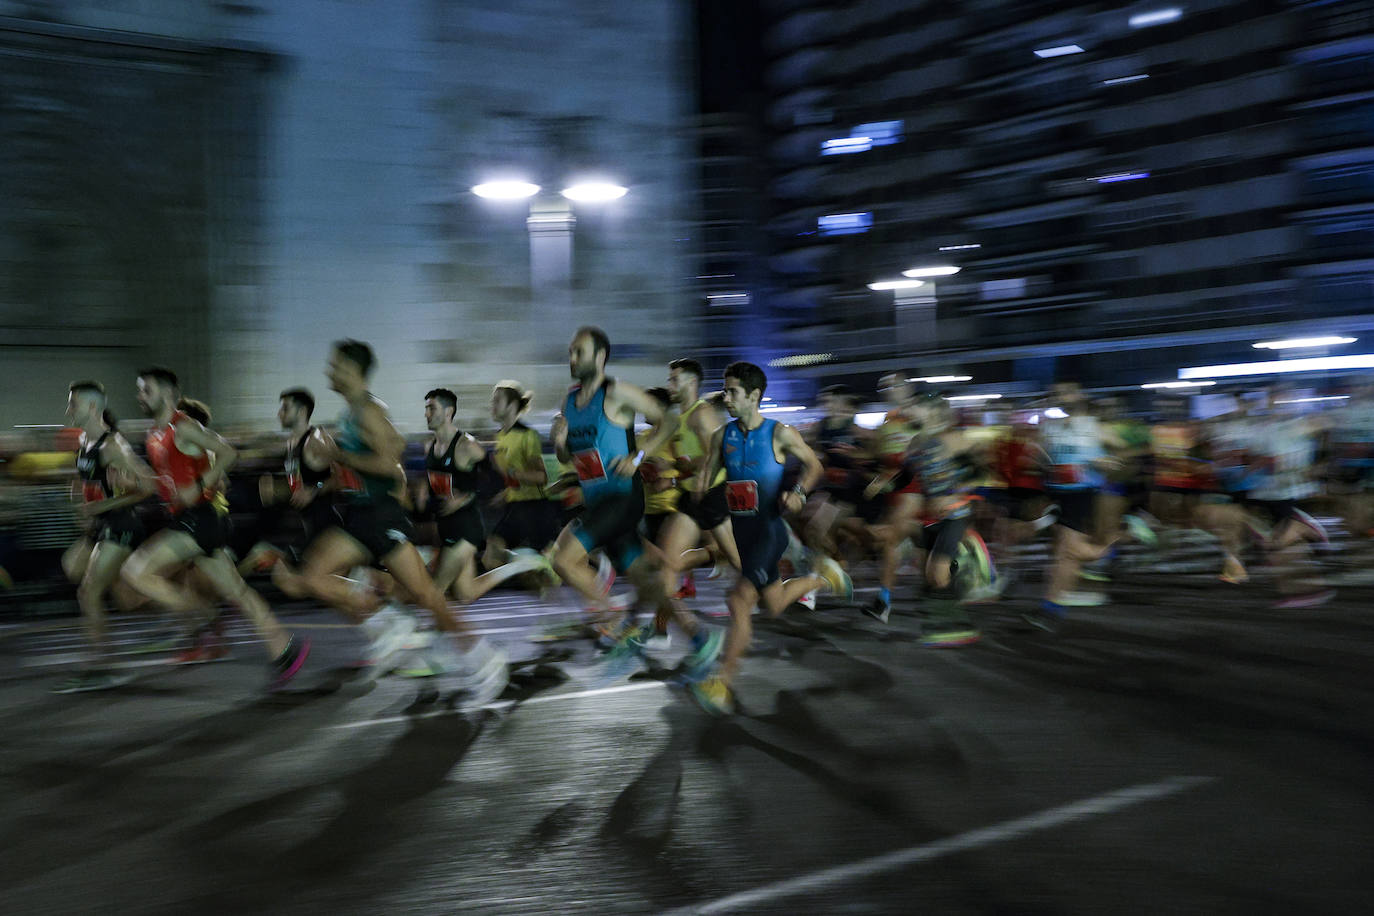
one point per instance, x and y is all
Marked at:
(944, 460)
(377, 529)
(451, 473)
(115, 528)
(698, 512)
(753, 451)
(595, 433)
(527, 518)
(191, 463)
(902, 517)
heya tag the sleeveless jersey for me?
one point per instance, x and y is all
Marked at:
(753, 474)
(689, 445)
(595, 443)
(941, 477)
(300, 475)
(661, 502)
(1073, 445)
(174, 468)
(839, 466)
(95, 482)
(518, 449)
(445, 478)
(357, 485)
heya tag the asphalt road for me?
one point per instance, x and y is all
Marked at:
(1187, 749)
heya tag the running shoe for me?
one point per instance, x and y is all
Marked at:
(526, 560)
(836, 578)
(89, 681)
(622, 659)
(878, 609)
(1140, 530)
(1311, 599)
(286, 666)
(1049, 519)
(944, 639)
(699, 664)
(207, 645)
(480, 674)
(808, 600)
(714, 696)
(1311, 524)
(390, 631)
(689, 588)
(1049, 617)
(659, 641)
(1083, 599)
(718, 568)
(1095, 572)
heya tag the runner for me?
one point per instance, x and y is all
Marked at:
(451, 461)
(376, 529)
(902, 517)
(191, 463)
(753, 451)
(528, 517)
(945, 462)
(698, 513)
(595, 432)
(115, 529)
(1076, 445)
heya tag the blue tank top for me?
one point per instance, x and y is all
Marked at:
(596, 443)
(753, 474)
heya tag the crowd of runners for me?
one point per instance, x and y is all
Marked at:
(665, 485)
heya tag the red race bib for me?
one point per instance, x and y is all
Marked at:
(742, 495)
(588, 465)
(440, 484)
(92, 492)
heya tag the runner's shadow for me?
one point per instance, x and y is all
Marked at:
(241, 849)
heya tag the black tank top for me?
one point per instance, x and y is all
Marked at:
(95, 481)
(298, 473)
(445, 478)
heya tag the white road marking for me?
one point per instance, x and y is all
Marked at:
(1096, 806)
(507, 704)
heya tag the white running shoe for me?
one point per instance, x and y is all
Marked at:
(390, 632)
(1083, 599)
(808, 600)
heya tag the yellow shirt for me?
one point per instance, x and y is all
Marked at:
(663, 501)
(689, 445)
(519, 449)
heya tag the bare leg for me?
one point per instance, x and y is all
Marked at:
(219, 569)
(101, 573)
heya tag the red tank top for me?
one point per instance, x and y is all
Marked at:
(174, 468)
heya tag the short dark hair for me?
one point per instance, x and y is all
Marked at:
(838, 391)
(196, 410)
(161, 375)
(357, 353)
(445, 397)
(750, 376)
(661, 395)
(690, 366)
(600, 342)
(87, 386)
(301, 396)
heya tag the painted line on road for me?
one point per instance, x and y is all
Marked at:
(1096, 806)
(505, 704)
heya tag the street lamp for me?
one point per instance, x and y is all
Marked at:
(505, 190)
(592, 192)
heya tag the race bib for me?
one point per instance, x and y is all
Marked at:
(92, 492)
(440, 484)
(349, 481)
(588, 465)
(742, 495)
(1065, 475)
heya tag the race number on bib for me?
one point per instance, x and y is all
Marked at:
(588, 465)
(440, 484)
(742, 495)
